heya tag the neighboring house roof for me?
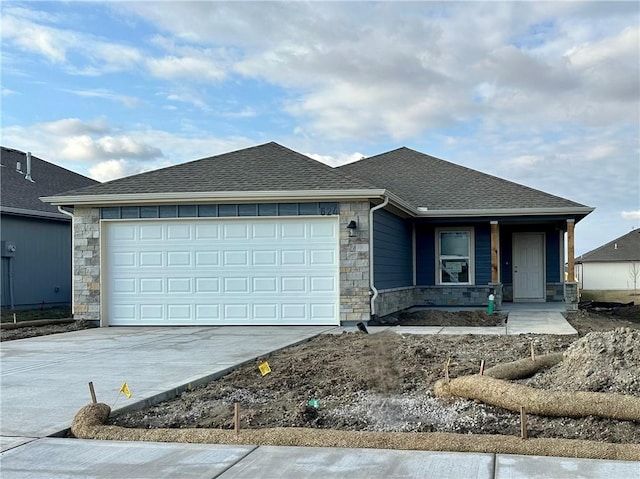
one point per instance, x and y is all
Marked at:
(435, 184)
(21, 196)
(624, 248)
(417, 183)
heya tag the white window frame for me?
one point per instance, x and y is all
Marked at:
(470, 231)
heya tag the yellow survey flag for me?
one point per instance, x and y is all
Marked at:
(264, 368)
(125, 390)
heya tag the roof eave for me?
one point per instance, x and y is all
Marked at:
(212, 197)
(33, 213)
(580, 211)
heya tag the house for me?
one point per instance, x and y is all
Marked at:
(613, 266)
(35, 236)
(265, 235)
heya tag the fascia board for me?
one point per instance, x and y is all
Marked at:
(423, 212)
(212, 197)
(33, 213)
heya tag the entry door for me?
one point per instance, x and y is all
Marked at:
(528, 267)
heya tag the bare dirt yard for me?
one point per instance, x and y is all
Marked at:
(38, 322)
(384, 382)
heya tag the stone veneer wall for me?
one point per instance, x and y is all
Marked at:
(86, 263)
(571, 296)
(391, 301)
(354, 263)
(555, 292)
(454, 295)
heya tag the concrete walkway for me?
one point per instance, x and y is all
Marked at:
(518, 322)
(44, 383)
(72, 458)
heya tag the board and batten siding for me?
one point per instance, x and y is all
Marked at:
(392, 251)
(482, 254)
(425, 255)
(41, 264)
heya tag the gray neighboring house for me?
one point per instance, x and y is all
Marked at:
(612, 266)
(266, 235)
(35, 236)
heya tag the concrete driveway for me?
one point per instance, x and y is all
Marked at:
(44, 380)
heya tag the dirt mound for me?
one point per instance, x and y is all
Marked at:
(599, 362)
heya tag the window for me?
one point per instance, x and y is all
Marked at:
(454, 256)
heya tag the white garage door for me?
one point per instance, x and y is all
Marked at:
(234, 271)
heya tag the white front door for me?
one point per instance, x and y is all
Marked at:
(232, 271)
(528, 267)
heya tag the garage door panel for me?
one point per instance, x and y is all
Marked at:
(222, 271)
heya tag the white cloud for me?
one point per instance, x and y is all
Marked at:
(193, 69)
(111, 170)
(127, 100)
(630, 215)
(337, 160)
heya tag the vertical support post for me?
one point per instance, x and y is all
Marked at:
(570, 251)
(495, 244)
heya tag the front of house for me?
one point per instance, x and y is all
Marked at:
(267, 236)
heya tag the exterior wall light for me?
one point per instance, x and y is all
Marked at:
(352, 227)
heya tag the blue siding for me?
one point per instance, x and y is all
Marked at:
(425, 255)
(553, 255)
(392, 251)
(482, 253)
(42, 262)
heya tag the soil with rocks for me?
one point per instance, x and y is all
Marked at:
(434, 317)
(28, 331)
(384, 382)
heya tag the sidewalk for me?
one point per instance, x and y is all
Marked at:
(518, 322)
(72, 458)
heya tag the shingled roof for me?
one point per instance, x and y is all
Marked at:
(268, 167)
(428, 182)
(625, 248)
(21, 196)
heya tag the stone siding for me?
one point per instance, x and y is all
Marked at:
(86, 264)
(571, 297)
(555, 292)
(453, 295)
(393, 300)
(354, 263)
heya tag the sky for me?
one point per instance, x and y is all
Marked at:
(545, 94)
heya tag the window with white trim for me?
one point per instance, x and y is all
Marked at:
(454, 256)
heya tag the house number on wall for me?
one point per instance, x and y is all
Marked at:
(328, 211)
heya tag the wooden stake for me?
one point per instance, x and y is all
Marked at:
(236, 418)
(446, 369)
(14, 318)
(523, 423)
(533, 352)
(93, 392)
(482, 368)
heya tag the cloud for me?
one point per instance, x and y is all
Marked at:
(111, 170)
(194, 69)
(630, 215)
(127, 100)
(30, 33)
(337, 160)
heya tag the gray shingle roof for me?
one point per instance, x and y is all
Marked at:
(624, 248)
(48, 179)
(425, 181)
(268, 167)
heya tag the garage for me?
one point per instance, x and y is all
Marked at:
(222, 271)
